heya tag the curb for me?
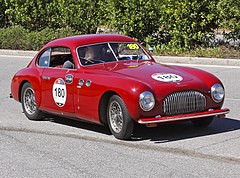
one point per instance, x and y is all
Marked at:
(162, 59)
(17, 52)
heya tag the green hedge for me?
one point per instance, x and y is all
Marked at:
(21, 38)
(229, 15)
(178, 24)
(35, 15)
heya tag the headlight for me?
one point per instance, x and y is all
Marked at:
(217, 93)
(146, 101)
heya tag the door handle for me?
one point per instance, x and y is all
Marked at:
(46, 78)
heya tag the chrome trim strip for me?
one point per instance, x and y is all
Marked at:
(159, 120)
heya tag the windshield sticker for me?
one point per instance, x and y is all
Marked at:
(132, 46)
(167, 77)
(59, 92)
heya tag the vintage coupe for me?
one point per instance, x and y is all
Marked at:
(112, 80)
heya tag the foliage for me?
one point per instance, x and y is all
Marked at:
(229, 13)
(175, 25)
(216, 52)
(13, 38)
(188, 22)
(20, 38)
(84, 16)
(30, 14)
(81, 15)
(136, 18)
(37, 39)
(3, 16)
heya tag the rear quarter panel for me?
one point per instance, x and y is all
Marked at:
(31, 75)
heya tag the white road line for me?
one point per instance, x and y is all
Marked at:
(233, 99)
(203, 65)
(29, 57)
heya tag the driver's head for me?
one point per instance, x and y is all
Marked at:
(93, 52)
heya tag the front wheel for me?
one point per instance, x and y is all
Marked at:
(29, 103)
(202, 122)
(119, 120)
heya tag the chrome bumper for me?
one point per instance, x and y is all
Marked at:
(155, 120)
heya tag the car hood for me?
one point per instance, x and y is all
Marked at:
(150, 72)
(153, 74)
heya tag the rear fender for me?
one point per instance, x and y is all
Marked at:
(30, 75)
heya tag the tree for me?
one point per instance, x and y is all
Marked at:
(136, 18)
(3, 16)
(30, 14)
(229, 13)
(188, 21)
(81, 15)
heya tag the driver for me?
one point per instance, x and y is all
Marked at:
(93, 55)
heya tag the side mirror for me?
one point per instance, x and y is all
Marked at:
(151, 49)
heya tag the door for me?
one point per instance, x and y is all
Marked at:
(57, 83)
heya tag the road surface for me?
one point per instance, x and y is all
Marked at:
(60, 147)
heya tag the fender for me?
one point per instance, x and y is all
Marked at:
(31, 75)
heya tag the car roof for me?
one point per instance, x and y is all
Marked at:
(80, 40)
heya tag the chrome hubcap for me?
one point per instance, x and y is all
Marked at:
(29, 101)
(115, 116)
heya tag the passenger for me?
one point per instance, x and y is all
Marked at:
(69, 63)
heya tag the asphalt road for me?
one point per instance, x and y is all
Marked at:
(60, 147)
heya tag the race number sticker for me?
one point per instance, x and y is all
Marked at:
(167, 77)
(59, 92)
(132, 46)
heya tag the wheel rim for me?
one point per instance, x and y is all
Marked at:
(115, 116)
(29, 101)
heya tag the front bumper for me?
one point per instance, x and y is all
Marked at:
(159, 119)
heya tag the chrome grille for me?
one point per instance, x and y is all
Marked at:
(183, 102)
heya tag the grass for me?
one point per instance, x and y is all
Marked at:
(216, 52)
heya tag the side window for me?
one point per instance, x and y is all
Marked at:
(44, 59)
(61, 57)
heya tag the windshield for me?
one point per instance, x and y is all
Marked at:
(109, 52)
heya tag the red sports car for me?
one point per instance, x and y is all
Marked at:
(112, 80)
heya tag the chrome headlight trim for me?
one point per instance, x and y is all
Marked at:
(146, 101)
(217, 92)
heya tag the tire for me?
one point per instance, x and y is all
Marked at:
(119, 121)
(29, 106)
(202, 122)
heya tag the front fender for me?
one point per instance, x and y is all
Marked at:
(129, 90)
(208, 78)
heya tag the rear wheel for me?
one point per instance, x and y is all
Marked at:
(28, 101)
(119, 120)
(202, 122)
